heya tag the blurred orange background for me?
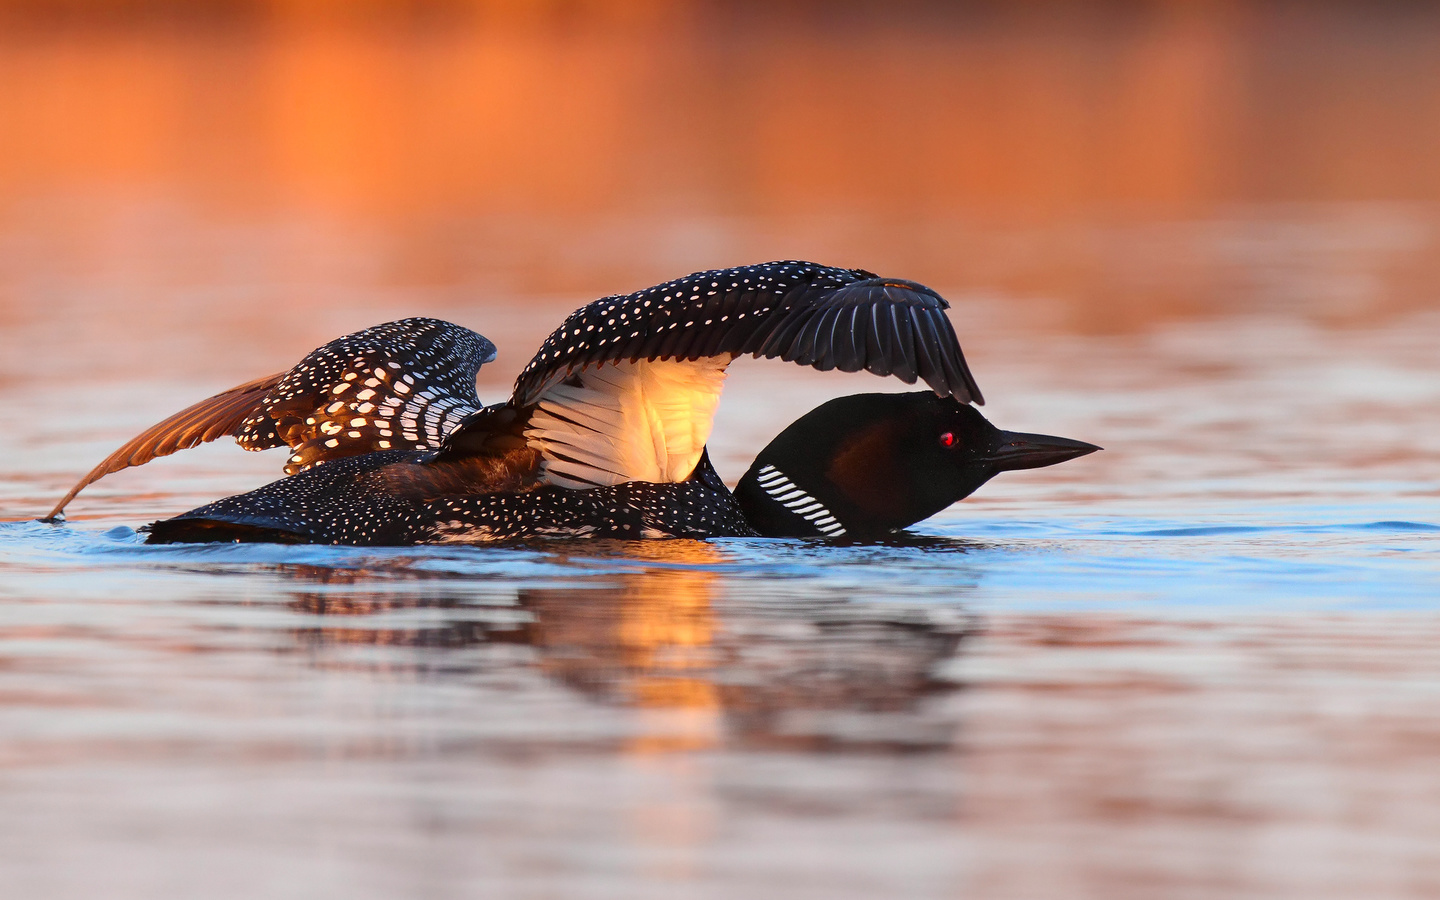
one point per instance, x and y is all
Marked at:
(1102, 166)
(1029, 109)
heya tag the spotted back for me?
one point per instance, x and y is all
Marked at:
(403, 385)
(818, 316)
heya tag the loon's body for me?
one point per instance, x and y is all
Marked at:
(605, 432)
(374, 500)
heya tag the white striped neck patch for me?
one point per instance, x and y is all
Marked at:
(774, 482)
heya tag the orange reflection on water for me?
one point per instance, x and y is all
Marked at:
(647, 642)
(656, 633)
(643, 639)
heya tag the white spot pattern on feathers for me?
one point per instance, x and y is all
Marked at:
(436, 361)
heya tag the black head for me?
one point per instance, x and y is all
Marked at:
(864, 465)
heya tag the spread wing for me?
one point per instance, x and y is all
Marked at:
(205, 421)
(399, 386)
(626, 388)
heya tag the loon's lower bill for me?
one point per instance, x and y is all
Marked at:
(604, 435)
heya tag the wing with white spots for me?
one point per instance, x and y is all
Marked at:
(626, 388)
(402, 385)
(399, 386)
(817, 316)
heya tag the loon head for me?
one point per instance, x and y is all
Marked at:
(864, 465)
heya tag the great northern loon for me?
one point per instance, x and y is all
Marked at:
(604, 435)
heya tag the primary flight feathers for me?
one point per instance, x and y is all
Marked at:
(201, 423)
(625, 390)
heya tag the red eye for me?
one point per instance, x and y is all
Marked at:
(947, 439)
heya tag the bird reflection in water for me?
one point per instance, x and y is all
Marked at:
(665, 630)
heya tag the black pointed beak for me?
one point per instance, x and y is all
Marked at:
(1013, 450)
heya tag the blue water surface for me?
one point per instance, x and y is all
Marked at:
(1281, 558)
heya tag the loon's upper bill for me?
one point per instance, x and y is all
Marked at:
(605, 432)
